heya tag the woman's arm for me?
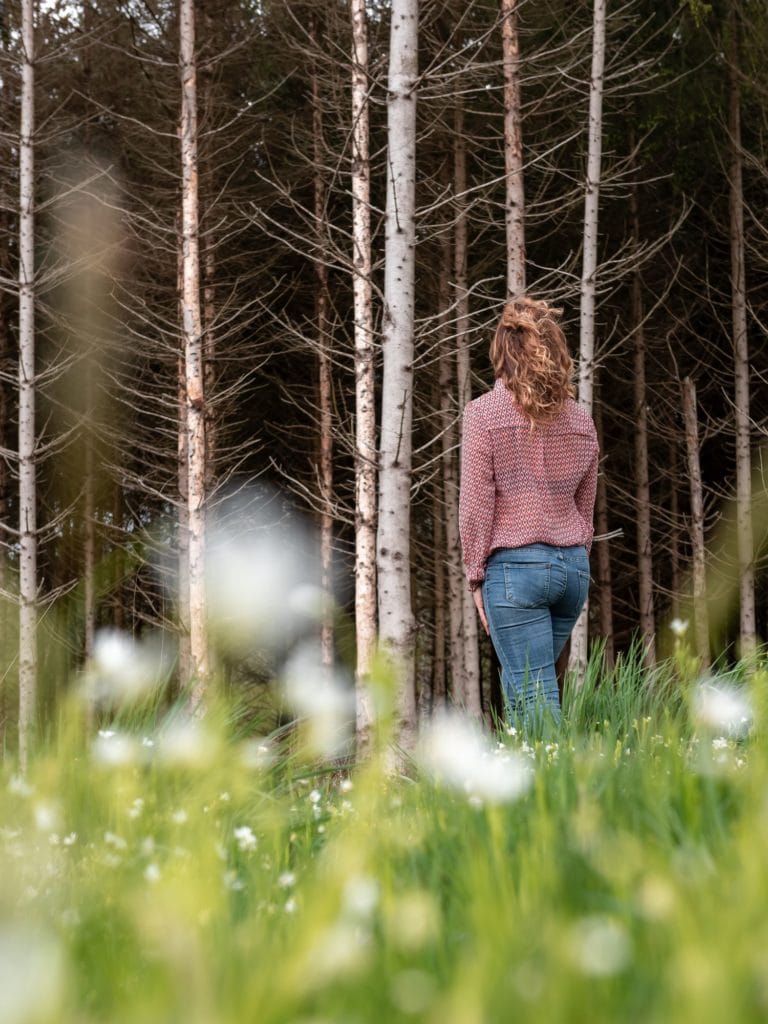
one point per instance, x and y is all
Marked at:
(585, 495)
(477, 496)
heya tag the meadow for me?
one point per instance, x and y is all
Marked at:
(166, 869)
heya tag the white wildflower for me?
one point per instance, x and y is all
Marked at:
(600, 946)
(679, 627)
(115, 749)
(47, 817)
(19, 786)
(185, 743)
(136, 808)
(315, 796)
(286, 880)
(455, 751)
(152, 873)
(32, 975)
(290, 905)
(722, 708)
(179, 817)
(323, 698)
(360, 897)
(114, 840)
(123, 668)
(245, 838)
(70, 840)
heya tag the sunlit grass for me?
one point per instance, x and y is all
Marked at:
(169, 869)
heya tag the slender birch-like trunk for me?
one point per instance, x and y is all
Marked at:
(209, 364)
(603, 552)
(438, 600)
(700, 612)
(450, 482)
(324, 382)
(27, 478)
(514, 206)
(193, 358)
(393, 537)
(579, 637)
(365, 399)
(642, 482)
(182, 463)
(744, 528)
(674, 533)
(464, 379)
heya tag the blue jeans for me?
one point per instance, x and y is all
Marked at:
(532, 597)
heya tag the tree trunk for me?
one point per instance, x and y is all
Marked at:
(514, 208)
(393, 538)
(700, 612)
(365, 399)
(209, 364)
(438, 601)
(27, 481)
(674, 533)
(579, 637)
(744, 538)
(603, 552)
(450, 485)
(642, 482)
(324, 382)
(464, 378)
(193, 359)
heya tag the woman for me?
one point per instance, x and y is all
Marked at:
(528, 480)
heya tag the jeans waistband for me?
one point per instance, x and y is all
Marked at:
(575, 552)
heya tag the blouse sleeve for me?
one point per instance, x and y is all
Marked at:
(585, 496)
(477, 496)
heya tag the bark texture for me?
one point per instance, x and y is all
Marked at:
(744, 527)
(580, 635)
(365, 398)
(396, 620)
(700, 612)
(647, 618)
(464, 382)
(27, 476)
(193, 358)
(514, 208)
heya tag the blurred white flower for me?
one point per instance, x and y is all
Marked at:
(360, 896)
(245, 838)
(262, 577)
(286, 880)
(70, 840)
(457, 754)
(152, 873)
(600, 946)
(679, 627)
(114, 840)
(32, 975)
(115, 749)
(179, 817)
(47, 817)
(136, 808)
(184, 742)
(290, 905)
(124, 669)
(257, 754)
(19, 786)
(722, 708)
(322, 697)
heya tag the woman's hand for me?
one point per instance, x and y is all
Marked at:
(477, 595)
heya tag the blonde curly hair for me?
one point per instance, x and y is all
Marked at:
(530, 355)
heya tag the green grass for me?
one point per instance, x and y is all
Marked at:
(188, 881)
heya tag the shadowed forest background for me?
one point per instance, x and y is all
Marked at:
(683, 110)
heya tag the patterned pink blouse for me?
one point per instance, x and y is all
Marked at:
(521, 486)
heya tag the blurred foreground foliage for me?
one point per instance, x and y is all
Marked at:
(176, 870)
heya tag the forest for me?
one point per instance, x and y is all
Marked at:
(254, 760)
(204, 297)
